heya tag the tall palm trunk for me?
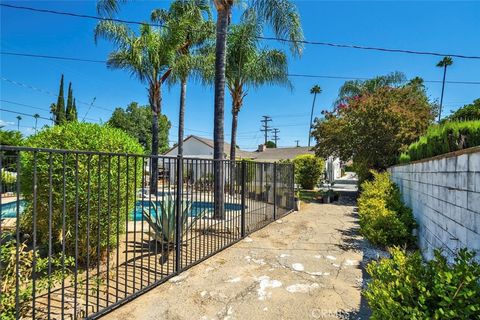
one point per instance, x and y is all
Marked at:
(218, 136)
(233, 148)
(233, 141)
(311, 119)
(443, 89)
(155, 100)
(181, 115)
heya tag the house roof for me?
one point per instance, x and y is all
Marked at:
(275, 154)
(209, 142)
(268, 155)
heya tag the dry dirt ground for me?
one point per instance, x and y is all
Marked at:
(308, 265)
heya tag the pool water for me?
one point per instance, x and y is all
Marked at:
(9, 210)
(196, 208)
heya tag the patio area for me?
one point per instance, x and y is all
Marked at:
(307, 265)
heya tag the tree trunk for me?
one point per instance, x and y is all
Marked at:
(233, 148)
(311, 119)
(233, 141)
(218, 136)
(155, 100)
(441, 97)
(181, 115)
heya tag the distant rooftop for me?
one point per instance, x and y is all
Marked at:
(261, 154)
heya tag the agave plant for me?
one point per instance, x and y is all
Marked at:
(163, 219)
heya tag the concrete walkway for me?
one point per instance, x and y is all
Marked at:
(307, 265)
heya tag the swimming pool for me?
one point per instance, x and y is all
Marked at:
(9, 210)
(196, 208)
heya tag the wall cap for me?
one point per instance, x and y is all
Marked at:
(441, 156)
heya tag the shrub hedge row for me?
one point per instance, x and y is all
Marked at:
(384, 219)
(444, 138)
(406, 287)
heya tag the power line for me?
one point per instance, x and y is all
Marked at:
(33, 107)
(295, 75)
(20, 84)
(25, 114)
(320, 43)
(352, 46)
(363, 78)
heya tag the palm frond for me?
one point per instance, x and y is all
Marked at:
(109, 7)
(120, 34)
(284, 19)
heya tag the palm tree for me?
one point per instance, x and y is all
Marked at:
(284, 19)
(444, 63)
(315, 90)
(353, 88)
(249, 66)
(18, 122)
(147, 56)
(36, 116)
(191, 20)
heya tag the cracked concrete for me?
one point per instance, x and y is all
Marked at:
(309, 266)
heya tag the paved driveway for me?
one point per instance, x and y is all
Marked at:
(307, 265)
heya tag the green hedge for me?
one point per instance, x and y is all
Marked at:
(384, 219)
(308, 170)
(406, 287)
(444, 138)
(89, 181)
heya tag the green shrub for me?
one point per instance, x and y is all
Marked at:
(444, 138)
(405, 287)
(308, 169)
(26, 271)
(100, 208)
(384, 219)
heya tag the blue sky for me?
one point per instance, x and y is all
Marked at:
(451, 27)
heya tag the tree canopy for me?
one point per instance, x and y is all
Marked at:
(373, 128)
(137, 121)
(469, 111)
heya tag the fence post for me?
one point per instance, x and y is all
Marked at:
(243, 178)
(178, 215)
(275, 191)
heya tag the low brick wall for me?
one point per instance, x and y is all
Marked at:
(444, 194)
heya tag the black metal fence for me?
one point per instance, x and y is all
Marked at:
(84, 232)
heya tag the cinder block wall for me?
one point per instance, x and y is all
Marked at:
(444, 194)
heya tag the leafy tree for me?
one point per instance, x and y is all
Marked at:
(249, 66)
(191, 20)
(374, 128)
(315, 90)
(467, 112)
(444, 63)
(137, 122)
(270, 144)
(148, 56)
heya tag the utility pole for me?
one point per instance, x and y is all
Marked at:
(275, 136)
(265, 128)
(297, 141)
